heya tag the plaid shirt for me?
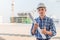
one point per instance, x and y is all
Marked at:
(48, 23)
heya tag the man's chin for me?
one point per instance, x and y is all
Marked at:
(41, 15)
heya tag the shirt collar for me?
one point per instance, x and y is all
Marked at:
(43, 18)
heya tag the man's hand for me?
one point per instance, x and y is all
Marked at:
(35, 27)
(44, 30)
(49, 33)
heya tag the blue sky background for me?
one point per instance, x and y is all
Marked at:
(53, 7)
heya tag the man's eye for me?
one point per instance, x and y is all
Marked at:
(39, 10)
(42, 9)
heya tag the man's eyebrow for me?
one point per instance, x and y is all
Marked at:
(42, 8)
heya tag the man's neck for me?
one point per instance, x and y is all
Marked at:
(42, 17)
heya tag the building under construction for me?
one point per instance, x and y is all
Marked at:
(22, 18)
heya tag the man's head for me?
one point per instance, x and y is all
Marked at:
(41, 9)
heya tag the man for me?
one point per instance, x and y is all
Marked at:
(44, 23)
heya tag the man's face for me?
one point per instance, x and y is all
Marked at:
(41, 11)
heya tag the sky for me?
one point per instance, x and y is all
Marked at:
(53, 8)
